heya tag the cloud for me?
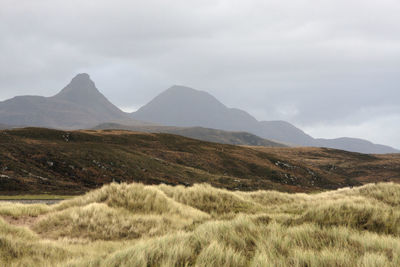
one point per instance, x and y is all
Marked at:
(310, 62)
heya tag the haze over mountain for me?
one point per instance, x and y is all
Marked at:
(79, 105)
(200, 133)
(187, 107)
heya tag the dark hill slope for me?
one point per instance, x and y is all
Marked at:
(35, 160)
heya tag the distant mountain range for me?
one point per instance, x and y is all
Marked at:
(187, 107)
(80, 105)
(200, 133)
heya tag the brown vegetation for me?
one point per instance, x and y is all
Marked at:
(34, 160)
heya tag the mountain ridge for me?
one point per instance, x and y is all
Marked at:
(81, 105)
(187, 107)
(78, 105)
(199, 133)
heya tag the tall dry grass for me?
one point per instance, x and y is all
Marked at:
(138, 225)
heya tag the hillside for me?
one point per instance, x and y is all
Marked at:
(186, 107)
(137, 225)
(79, 105)
(204, 134)
(35, 160)
(4, 126)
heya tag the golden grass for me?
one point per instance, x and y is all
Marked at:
(18, 210)
(138, 225)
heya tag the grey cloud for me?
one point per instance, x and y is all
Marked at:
(319, 64)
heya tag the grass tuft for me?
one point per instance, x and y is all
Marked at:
(138, 225)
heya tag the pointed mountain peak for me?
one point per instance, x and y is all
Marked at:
(81, 78)
(82, 91)
(81, 88)
(81, 82)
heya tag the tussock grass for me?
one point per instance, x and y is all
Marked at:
(138, 225)
(136, 198)
(100, 222)
(17, 210)
(388, 193)
(363, 216)
(211, 200)
(16, 232)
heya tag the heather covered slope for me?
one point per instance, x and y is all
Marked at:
(36, 160)
(41, 160)
(137, 225)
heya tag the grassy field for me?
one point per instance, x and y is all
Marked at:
(161, 225)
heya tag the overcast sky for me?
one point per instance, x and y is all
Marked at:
(331, 67)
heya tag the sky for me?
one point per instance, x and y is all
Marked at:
(331, 68)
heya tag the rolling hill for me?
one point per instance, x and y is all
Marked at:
(37, 160)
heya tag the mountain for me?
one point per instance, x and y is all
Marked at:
(186, 107)
(357, 145)
(282, 130)
(200, 133)
(78, 105)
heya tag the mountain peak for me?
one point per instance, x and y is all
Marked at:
(81, 77)
(184, 94)
(180, 88)
(183, 98)
(183, 91)
(81, 82)
(81, 88)
(187, 107)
